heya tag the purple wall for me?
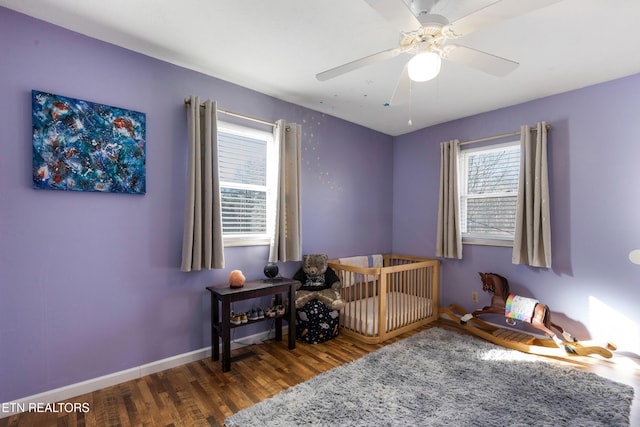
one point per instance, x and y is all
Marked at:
(90, 283)
(595, 210)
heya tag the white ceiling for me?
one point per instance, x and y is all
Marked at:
(278, 46)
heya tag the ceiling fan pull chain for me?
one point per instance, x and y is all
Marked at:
(410, 123)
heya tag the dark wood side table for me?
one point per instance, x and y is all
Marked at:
(251, 289)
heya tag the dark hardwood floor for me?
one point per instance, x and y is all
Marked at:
(200, 394)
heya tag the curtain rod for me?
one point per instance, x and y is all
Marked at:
(187, 101)
(504, 135)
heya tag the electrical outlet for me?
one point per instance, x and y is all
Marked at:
(474, 296)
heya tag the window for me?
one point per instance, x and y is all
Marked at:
(488, 190)
(247, 166)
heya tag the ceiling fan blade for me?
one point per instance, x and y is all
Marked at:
(359, 63)
(479, 60)
(402, 92)
(494, 13)
(397, 13)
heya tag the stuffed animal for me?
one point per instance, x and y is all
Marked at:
(318, 281)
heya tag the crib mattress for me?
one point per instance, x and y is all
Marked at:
(361, 315)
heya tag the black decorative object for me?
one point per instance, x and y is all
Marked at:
(271, 271)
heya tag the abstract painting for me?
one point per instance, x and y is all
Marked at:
(83, 146)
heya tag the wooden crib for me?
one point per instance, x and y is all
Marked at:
(382, 302)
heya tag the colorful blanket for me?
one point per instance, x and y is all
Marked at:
(520, 308)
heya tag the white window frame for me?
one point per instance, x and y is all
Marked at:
(259, 239)
(482, 238)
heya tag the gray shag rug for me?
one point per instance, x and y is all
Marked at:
(441, 378)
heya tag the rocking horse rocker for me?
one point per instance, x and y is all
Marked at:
(516, 308)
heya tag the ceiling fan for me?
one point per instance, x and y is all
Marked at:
(425, 36)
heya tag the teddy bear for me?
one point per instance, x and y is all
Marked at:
(318, 281)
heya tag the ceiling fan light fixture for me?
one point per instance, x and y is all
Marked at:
(424, 66)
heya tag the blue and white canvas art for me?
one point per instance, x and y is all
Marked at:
(84, 146)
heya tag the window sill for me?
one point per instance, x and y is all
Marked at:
(482, 242)
(246, 242)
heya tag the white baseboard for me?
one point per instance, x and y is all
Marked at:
(67, 392)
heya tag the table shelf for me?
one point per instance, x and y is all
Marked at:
(250, 322)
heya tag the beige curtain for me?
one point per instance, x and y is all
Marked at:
(532, 243)
(286, 245)
(449, 238)
(202, 244)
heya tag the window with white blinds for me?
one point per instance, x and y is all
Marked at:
(246, 184)
(488, 189)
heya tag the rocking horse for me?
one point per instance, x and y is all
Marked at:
(516, 308)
